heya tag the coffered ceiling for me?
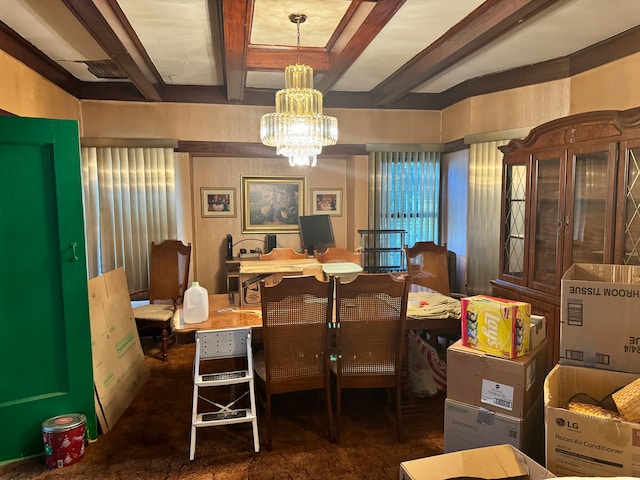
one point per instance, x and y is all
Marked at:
(424, 54)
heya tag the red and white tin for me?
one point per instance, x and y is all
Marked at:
(63, 438)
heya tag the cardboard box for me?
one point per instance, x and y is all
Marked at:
(496, 325)
(537, 330)
(599, 322)
(583, 445)
(271, 271)
(499, 461)
(467, 426)
(503, 385)
(119, 368)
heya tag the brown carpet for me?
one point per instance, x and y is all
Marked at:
(151, 440)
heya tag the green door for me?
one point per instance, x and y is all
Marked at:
(45, 357)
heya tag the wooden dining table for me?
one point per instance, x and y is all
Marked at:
(225, 312)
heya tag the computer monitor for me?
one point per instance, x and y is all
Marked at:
(316, 232)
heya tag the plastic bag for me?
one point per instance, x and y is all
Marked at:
(427, 371)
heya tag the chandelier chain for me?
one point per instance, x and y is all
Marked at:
(298, 42)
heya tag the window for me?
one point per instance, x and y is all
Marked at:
(406, 189)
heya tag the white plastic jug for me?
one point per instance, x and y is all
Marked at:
(195, 307)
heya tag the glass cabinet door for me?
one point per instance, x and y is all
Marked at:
(548, 204)
(628, 236)
(515, 194)
(589, 208)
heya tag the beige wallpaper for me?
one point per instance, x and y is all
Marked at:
(233, 123)
(610, 87)
(27, 94)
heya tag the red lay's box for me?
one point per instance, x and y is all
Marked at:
(496, 326)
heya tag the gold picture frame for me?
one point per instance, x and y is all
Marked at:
(326, 201)
(272, 204)
(218, 202)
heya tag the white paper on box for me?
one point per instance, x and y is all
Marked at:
(468, 368)
(497, 394)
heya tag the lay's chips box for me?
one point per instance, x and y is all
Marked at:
(496, 326)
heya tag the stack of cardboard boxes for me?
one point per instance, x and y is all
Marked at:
(495, 378)
(599, 357)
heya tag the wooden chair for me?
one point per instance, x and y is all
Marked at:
(283, 254)
(295, 317)
(336, 255)
(168, 277)
(371, 313)
(428, 265)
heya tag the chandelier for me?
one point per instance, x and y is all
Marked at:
(298, 129)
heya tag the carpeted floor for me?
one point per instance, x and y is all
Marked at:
(151, 440)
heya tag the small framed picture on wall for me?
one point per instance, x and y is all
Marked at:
(326, 201)
(218, 202)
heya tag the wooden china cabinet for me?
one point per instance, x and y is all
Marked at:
(570, 194)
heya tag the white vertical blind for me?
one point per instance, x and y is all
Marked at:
(407, 194)
(129, 202)
(483, 219)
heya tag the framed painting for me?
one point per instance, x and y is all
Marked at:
(272, 204)
(326, 201)
(218, 202)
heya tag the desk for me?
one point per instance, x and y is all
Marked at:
(272, 271)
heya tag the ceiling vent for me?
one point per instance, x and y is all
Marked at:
(105, 69)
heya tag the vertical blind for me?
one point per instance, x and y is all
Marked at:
(406, 194)
(129, 202)
(483, 218)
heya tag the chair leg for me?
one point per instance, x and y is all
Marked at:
(338, 419)
(165, 343)
(398, 402)
(268, 408)
(327, 389)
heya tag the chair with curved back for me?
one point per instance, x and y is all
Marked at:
(295, 317)
(283, 254)
(168, 277)
(428, 265)
(371, 314)
(337, 255)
